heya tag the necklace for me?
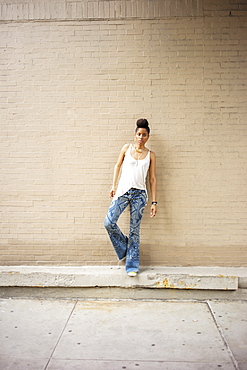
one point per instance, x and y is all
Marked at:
(139, 156)
(140, 151)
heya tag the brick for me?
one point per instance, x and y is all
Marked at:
(71, 92)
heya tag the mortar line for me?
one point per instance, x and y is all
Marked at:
(221, 332)
(60, 336)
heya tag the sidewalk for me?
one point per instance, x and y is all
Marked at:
(200, 278)
(76, 334)
(111, 282)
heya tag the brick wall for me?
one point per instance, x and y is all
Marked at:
(75, 76)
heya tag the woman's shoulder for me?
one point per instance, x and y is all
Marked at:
(125, 148)
(152, 154)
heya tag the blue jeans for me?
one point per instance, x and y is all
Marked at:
(123, 245)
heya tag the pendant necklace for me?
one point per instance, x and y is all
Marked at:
(138, 157)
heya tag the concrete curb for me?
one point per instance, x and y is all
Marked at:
(195, 278)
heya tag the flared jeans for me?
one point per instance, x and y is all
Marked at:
(127, 246)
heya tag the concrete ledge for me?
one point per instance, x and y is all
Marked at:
(198, 278)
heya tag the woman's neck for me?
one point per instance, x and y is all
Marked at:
(139, 147)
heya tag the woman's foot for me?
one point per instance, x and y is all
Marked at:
(132, 273)
(122, 259)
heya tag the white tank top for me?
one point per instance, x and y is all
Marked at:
(134, 173)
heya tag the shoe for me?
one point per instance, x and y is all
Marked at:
(132, 273)
(123, 259)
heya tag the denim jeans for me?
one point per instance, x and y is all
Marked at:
(123, 245)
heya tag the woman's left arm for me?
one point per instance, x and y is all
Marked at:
(153, 183)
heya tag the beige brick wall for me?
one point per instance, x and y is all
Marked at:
(75, 76)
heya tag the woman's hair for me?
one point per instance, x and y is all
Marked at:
(143, 123)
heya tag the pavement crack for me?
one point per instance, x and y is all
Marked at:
(221, 332)
(60, 336)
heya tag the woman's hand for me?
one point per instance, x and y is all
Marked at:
(153, 210)
(152, 179)
(112, 193)
(117, 170)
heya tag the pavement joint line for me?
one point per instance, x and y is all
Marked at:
(234, 361)
(60, 336)
(158, 299)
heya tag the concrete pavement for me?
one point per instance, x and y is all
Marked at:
(106, 334)
(196, 278)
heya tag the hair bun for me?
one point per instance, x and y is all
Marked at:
(142, 123)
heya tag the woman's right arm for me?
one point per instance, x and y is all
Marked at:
(117, 168)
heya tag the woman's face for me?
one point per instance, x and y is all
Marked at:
(141, 136)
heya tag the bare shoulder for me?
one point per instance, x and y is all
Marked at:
(125, 148)
(152, 155)
(122, 153)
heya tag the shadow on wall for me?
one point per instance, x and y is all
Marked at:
(164, 216)
(150, 227)
(65, 253)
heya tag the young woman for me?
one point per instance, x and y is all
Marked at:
(136, 161)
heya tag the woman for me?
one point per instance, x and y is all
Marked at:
(136, 160)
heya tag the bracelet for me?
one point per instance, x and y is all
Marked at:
(155, 203)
